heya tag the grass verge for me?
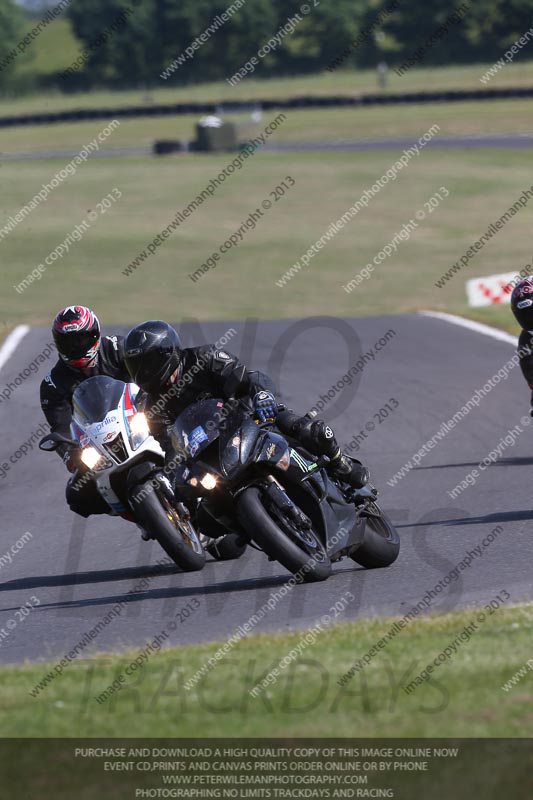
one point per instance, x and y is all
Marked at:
(464, 697)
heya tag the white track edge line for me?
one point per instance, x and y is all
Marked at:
(12, 342)
(478, 327)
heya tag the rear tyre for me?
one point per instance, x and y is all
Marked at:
(381, 543)
(311, 564)
(176, 536)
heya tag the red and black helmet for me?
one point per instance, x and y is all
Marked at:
(76, 333)
(522, 303)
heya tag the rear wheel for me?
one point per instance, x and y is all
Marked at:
(175, 534)
(302, 553)
(381, 543)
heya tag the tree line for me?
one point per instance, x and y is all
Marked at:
(222, 36)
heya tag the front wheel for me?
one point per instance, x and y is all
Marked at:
(302, 554)
(176, 535)
(381, 543)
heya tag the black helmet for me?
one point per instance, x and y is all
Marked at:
(152, 354)
(522, 303)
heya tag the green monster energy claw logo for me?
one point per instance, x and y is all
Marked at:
(300, 461)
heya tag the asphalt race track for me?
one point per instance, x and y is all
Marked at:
(78, 570)
(485, 140)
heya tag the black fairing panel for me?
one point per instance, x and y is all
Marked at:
(322, 501)
(237, 445)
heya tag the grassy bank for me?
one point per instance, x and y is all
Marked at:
(482, 185)
(58, 50)
(463, 699)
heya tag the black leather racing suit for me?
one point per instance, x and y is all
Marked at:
(525, 354)
(208, 372)
(56, 402)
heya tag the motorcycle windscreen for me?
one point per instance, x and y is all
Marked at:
(196, 427)
(95, 398)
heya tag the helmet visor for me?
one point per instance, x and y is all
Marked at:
(76, 345)
(150, 371)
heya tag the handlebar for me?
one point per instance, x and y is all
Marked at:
(52, 441)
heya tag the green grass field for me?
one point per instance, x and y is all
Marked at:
(464, 697)
(56, 48)
(482, 185)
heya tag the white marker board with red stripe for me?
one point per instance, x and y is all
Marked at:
(490, 290)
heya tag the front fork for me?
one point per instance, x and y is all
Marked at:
(150, 474)
(281, 500)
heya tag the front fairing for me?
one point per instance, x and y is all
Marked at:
(94, 398)
(205, 422)
(96, 418)
(197, 427)
(103, 412)
(237, 445)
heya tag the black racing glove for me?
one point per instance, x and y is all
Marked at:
(69, 459)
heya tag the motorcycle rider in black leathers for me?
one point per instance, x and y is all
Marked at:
(83, 352)
(522, 308)
(174, 378)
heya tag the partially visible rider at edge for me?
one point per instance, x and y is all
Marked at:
(174, 377)
(522, 308)
(83, 352)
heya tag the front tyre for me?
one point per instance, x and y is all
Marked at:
(176, 535)
(381, 543)
(311, 564)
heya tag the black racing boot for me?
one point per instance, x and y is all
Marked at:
(317, 437)
(351, 472)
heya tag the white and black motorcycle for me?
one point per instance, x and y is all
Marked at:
(126, 464)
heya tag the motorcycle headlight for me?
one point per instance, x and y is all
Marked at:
(139, 430)
(90, 457)
(209, 481)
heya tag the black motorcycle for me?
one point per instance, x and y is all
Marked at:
(248, 479)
